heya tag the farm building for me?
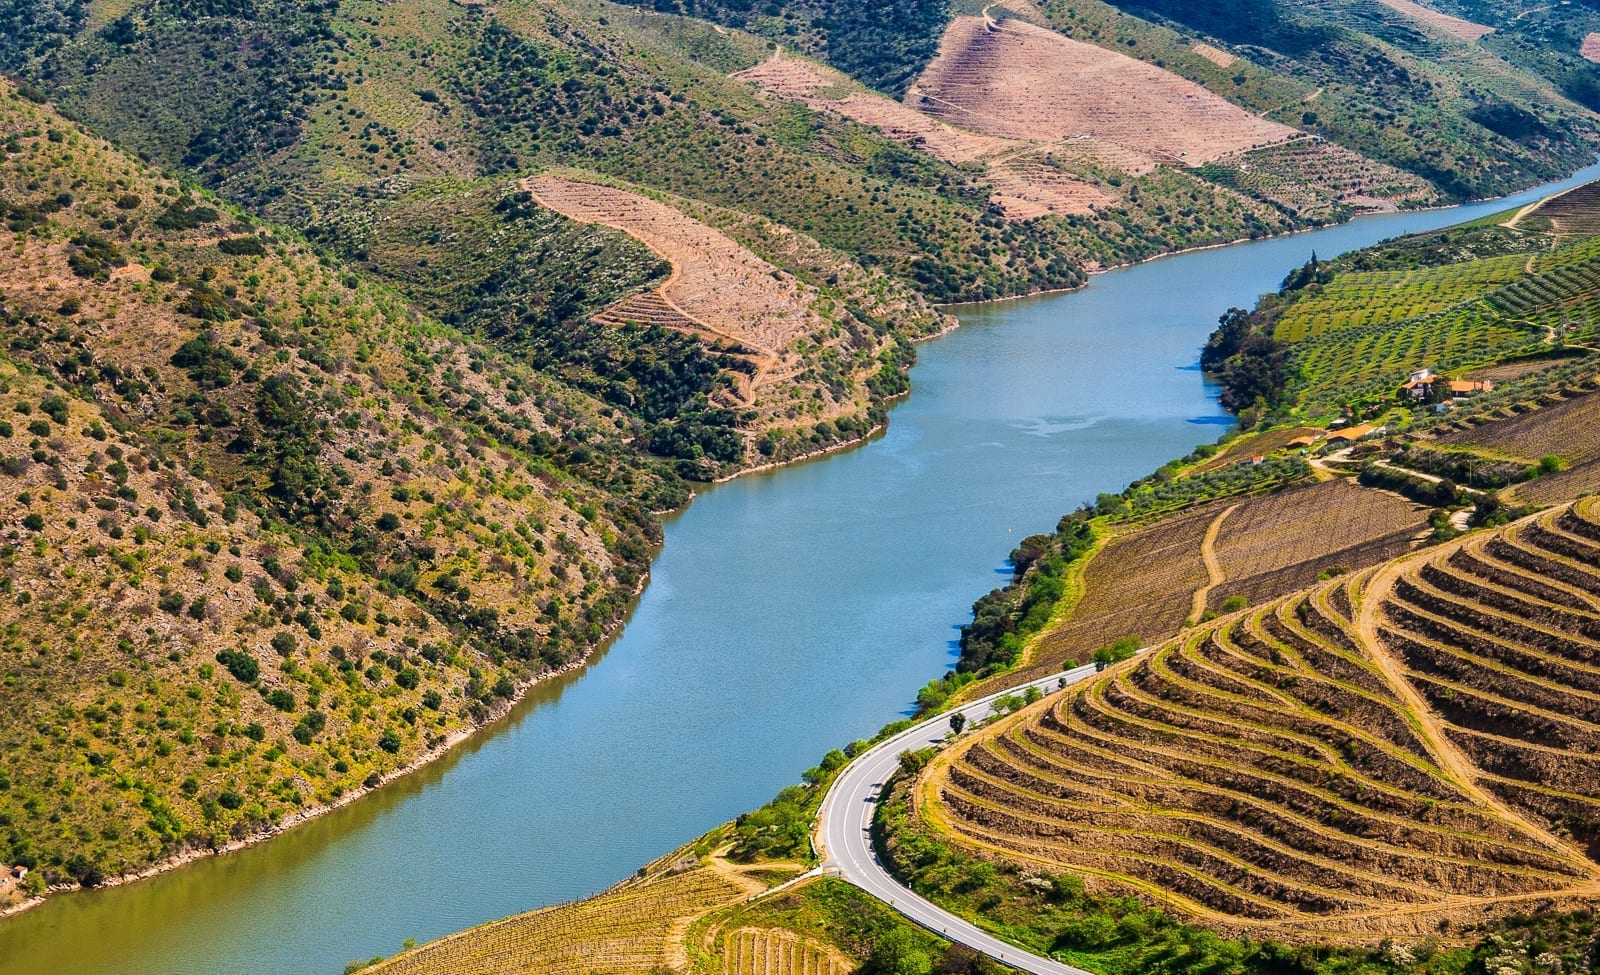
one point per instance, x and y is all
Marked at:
(1425, 385)
(1351, 434)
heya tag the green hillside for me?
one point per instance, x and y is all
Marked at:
(269, 536)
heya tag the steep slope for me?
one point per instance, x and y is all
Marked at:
(1474, 119)
(1013, 79)
(1372, 757)
(269, 536)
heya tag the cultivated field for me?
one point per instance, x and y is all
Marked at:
(1139, 584)
(634, 929)
(1313, 176)
(1461, 30)
(774, 951)
(1026, 184)
(1397, 749)
(1282, 542)
(1568, 429)
(1590, 49)
(1575, 213)
(1015, 80)
(1359, 298)
(718, 289)
(1363, 332)
(1144, 583)
(739, 305)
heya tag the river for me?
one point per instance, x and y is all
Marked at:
(788, 613)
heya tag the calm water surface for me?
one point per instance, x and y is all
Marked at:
(788, 613)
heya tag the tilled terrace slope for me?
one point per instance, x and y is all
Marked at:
(1367, 758)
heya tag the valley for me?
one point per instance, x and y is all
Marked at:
(357, 403)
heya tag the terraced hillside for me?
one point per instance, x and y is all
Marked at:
(1462, 30)
(1396, 82)
(1012, 79)
(1575, 213)
(1348, 333)
(1027, 181)
(1397, 749)
(732, 300)
(1567, 428)
(1148, 581)
(637, 927)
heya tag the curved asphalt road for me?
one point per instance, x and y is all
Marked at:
(843, 832)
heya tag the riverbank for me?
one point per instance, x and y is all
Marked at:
(864, 565)
(502, 708)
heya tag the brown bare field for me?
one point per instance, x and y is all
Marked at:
(1142, 583)
(1570, 429)
(1575, 213)
(1590, 49)
(734, 301)
(1408, 746)
(1014, 80)
(1462, 30)
(717, 289)
(1507, 371)
(798, 79)
(1282, 542)
(1215, 55)
(1138, 584)
(636, 927)
(1025, 182)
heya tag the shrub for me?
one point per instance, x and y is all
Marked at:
(281, 699)
(309, 726)
(242, 246)
(241, 665)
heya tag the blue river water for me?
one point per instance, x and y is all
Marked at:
(788, 613)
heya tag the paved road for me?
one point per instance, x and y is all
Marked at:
(844, 841)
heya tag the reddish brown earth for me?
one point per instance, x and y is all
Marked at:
(1015, 80)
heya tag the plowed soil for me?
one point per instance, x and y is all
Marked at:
(1461, 30)
(1393, 750)
(718, 288)
(1025, 184)
(1014, 80)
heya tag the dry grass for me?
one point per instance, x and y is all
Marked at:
(774, 951)
(637, 927)
(1370, 758)
(1014, 80)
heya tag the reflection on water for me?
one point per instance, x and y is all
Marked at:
(787, 613)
